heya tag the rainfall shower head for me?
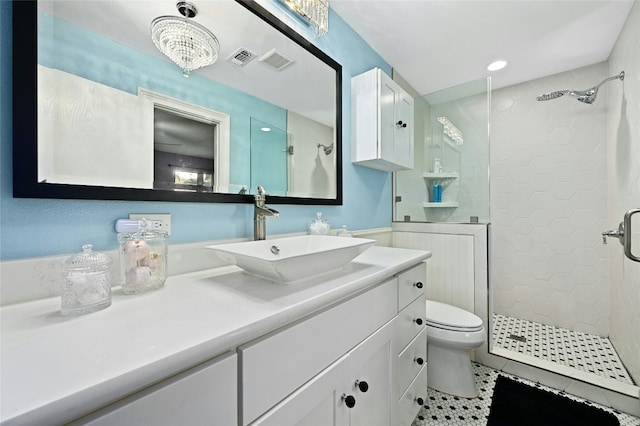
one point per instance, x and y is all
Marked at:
(549, 96)
(585, 96)
(327, 149)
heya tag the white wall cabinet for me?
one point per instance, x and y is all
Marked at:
(382, 123)
(203, 395)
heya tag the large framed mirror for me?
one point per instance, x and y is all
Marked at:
(101, 113)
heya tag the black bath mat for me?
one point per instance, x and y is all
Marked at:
(514, 403)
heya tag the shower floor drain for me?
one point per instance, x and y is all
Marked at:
(518, 338)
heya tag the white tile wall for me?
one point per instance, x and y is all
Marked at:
(623, 151)
(549, 203)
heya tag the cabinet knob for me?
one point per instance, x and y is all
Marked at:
(418, 321)
(419, 361)
(419, 401)
(362, 385)
(349, 400)
(401, 124)
(418, 284)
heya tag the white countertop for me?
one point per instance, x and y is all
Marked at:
(54, 368)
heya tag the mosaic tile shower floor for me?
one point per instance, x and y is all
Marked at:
(581, 351)
(442, 409)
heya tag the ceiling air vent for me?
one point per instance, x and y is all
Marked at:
(275, 59)
(241, 57)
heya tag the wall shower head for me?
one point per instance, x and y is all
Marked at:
(549, 96)
(327, 149)
(585, 96)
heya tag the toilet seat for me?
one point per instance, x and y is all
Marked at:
(447, 317)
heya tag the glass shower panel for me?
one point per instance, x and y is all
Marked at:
(450, 181)
(268, 146)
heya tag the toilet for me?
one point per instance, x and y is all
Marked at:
(451, 333)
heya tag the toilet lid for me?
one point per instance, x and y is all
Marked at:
(451, 317)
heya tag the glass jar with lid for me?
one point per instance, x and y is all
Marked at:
(87, 282)
(143, 259)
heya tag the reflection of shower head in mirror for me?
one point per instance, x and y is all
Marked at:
(327, 149)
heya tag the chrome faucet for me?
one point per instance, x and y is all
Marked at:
(260, 212)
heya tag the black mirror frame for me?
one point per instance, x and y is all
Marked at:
(25, 124)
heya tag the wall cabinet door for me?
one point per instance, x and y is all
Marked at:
(203, 395)
(382, 120)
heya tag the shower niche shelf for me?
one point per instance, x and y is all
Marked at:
(447, 178)
(443, 204)
(440, 176)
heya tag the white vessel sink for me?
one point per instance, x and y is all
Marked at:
(293, 259)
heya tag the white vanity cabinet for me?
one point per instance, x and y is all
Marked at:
(276, 366)
(353, 391)
(382, 118)
(341, 350)
(203, 395)
(361, 362)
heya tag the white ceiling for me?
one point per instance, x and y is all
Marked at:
(437, 44)
(128, 21)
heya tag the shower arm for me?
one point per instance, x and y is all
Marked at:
(615, 77)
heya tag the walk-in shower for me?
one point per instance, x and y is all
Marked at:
(585, 96)
(550, 283)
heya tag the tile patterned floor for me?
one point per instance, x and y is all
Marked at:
(582, 351)
(442, 409)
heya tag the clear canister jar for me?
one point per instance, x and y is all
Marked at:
(143, 260)
(87, 282)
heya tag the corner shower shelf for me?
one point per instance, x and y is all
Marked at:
(445, 176)
(437, 176)
(444, 204)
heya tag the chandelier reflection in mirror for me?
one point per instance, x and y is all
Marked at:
(184, 41)
(315, 12)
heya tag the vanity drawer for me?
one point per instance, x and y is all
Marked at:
(411, 284)
(410, 403)
(276, 365)
(411, 321)
(410, 362)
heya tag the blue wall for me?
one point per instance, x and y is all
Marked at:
(31, 227)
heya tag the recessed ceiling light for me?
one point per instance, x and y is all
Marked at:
(497, 65)
(265, 129)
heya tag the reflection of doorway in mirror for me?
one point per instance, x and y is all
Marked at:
(183, 152)
(190, 144)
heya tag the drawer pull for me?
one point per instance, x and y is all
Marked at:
(418, 284)
(418, 321)
(349, 400)
(419, 401)
(419, 361)
(362, 385)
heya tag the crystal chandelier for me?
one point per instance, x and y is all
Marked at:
(315, 12)
(185, 42)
